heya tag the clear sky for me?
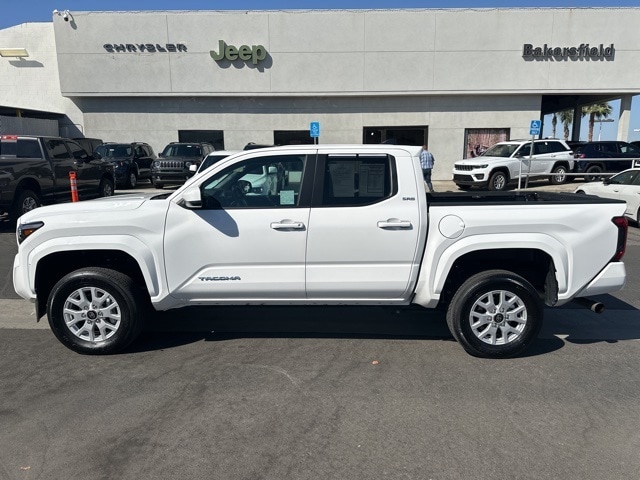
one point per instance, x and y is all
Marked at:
(15, 12)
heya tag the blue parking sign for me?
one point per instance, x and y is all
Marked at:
(535, 127)
(314, 129)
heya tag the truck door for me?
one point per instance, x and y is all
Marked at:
(364, 228)
(244, 243)
(62, 163)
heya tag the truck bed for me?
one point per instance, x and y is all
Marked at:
(508, 198)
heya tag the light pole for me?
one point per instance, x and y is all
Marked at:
(607, 120)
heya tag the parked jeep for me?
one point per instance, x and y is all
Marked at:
(131, 161)
(173, 166)
(506, 162)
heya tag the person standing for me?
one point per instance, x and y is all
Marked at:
(426, 163)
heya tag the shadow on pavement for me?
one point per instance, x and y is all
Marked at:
(568, 324)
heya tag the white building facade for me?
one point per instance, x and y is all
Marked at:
(450, 78)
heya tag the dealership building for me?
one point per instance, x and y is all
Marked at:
(454, 79)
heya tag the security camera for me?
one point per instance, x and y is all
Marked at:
(56, 12)
(65, 15)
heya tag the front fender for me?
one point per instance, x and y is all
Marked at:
(150, 266)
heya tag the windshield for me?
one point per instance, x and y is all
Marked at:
(114, 151)
(210, 160)
(501, 150)
(182, 151)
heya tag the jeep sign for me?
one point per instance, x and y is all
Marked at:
(255, 53)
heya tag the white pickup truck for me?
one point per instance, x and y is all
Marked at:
(348, 225)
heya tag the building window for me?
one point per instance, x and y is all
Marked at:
(396, 135)
(478, 140)
(292, 137)
(214, 137)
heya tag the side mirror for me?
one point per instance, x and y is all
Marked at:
(161, 155)
(193, 168)
(606, 181)
(191, 198)
(272, 170)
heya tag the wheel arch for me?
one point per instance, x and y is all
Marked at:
(538, 258)
(534, 265)
(51, 266)
(28, 183)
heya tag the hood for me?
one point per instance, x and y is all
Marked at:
(481, 160)
(117, 203)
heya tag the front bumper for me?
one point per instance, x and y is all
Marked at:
(470, 178)
(170, 178)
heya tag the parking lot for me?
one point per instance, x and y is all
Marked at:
(322, 392)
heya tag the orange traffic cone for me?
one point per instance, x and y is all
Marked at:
(74, 186)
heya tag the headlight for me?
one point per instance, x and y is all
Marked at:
(484, 165)
(156, 164)
(26, 229)
(187, 164)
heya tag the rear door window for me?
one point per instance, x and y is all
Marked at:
(355, 180)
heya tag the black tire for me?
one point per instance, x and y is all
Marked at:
(559, 175)
(105, 189)
(109, 310)
(498, 181)
(25, 201)
(132, 179)
(508, 333)
(580, 192)
(464, 187)
(593, 173)
(157, 185)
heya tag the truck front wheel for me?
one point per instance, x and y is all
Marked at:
(95, 311)
(495, 314)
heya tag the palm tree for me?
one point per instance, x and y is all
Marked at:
(566, 117)
(597, 111)
(554, 122)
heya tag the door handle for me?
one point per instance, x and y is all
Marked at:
(395, 224)
(287, 225)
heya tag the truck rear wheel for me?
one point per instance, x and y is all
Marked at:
(495, 314)
(95, 311)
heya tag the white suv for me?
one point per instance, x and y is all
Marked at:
(504, 162)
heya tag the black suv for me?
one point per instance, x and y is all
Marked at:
(131, 161)
(595, 158)
(172, 168)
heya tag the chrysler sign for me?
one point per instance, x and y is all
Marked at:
(144, 47)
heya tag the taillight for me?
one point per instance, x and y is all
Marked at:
(623, 226)
(9, 137)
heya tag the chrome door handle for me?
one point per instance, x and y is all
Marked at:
(393, 224)
(287, 225)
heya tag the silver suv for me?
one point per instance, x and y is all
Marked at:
(506, 162)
